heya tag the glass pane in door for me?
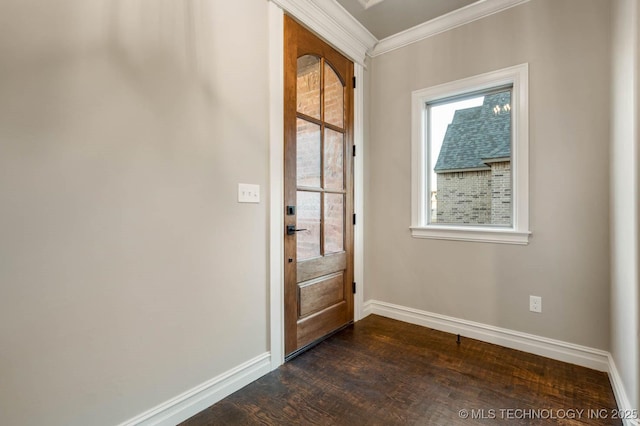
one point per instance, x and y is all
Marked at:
(333, 223)
(308, 86)
(308, 218)
(333, 97)
(308, 154)
(333, 159)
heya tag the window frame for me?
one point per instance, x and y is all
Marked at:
(516, 76)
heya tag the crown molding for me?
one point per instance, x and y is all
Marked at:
(443, 23)
(330, 21)
(334, 24)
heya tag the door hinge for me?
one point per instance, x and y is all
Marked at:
(354, 218)
(354, 81)
(354, 287)
(354, 150)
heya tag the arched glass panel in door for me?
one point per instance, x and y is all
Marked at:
(320, 156)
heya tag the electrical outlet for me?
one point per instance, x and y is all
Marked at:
(535, 304)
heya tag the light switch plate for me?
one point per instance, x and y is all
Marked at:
(248, 193)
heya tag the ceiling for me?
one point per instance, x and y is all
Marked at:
(384, 18)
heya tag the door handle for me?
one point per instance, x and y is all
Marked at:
(291, 229)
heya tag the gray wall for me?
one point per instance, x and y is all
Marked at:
(128, 272)
(566, 44)
(624, 195)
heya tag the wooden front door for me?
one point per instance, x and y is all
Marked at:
(318, 188)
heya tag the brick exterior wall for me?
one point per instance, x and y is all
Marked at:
(464, 197)
(311, 205)
(333, 97)
(308, 91)
(501, 208)
(308, 86)
(475, 197)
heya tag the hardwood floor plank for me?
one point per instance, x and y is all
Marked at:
(386, 372)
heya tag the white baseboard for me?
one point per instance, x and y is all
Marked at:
(555, 349)
(562, 351)
(202, 396)
(199, 398)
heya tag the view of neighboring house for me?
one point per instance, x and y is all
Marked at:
(474, 165)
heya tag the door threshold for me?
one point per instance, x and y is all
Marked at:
(315, 343)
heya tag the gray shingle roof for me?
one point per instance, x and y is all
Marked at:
(477, 135)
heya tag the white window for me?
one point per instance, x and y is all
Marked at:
(470, 162)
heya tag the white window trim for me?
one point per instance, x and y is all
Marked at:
(518, 76)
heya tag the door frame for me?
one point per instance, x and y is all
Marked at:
(276, 175)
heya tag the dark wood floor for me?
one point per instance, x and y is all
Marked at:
(386, 372)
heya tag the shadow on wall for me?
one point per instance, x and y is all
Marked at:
(124, 129)
(174, 38)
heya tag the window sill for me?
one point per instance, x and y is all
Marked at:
(477, 234)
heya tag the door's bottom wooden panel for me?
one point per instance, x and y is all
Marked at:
(322, 323)
(319, 266)
(316, 295)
